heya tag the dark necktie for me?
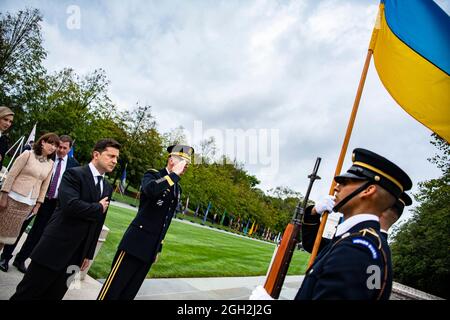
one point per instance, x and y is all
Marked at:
(98, 186)
(52, 189)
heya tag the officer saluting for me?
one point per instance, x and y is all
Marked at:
(142, 241)
(357, 262)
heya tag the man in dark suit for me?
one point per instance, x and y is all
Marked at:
(142, 241)
(70, 238)
(62, 162)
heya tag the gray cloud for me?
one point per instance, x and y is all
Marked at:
(287, 65)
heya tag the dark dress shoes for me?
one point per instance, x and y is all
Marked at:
(20, 265)
(4, 265)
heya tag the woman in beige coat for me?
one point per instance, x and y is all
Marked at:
(25, 186)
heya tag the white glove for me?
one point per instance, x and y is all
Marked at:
(325, 204)
(260, 294)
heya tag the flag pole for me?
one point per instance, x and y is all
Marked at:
(17, 152)
(348, 133)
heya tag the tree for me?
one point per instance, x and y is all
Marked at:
(175, 136)
(142, 148)
(21, 57)
(420, 248)
(21, 50)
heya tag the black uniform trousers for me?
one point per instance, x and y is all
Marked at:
(125, 278)
(40, 222)
(43, 283)
(8, 249)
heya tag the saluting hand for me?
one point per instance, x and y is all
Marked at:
(179, 167)
(105, 203)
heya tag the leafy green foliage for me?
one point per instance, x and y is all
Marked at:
(421, 245)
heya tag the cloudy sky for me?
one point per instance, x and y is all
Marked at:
(285, 71)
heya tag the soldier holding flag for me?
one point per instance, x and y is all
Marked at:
(356, 264)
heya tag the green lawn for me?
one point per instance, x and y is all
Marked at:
(125, 199)
(190, 251)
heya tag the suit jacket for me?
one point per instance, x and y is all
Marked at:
(343, 268)
(160, 193)
(71, 162)
(3, 148)
(49, 209)
(76, 224)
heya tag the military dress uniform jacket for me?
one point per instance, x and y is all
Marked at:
(309, 228)
(76, 224)
(345, 268)
(160, 194)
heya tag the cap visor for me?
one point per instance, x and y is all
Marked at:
(348, 175)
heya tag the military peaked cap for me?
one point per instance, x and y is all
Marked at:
(368, 165)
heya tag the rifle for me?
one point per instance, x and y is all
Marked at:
(280, 265)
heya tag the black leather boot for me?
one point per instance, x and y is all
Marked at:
(4, 264)
(20, 265)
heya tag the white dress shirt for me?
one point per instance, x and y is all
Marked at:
(63, 168)
(353, 221)
(95, 174)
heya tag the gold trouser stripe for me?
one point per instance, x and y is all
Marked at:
(169, 180)
(392, 179)
(111, 276)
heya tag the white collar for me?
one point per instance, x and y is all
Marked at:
(385, 231)
(94, 171)
(353, 221)
(168, 172)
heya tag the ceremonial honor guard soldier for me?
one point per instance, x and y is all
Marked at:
(142, 241)
(311, 219)
(356, 264)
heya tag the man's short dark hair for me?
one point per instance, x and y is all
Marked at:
(102, 144)
(66, 138)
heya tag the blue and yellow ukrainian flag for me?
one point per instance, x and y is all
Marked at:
(411, 48)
